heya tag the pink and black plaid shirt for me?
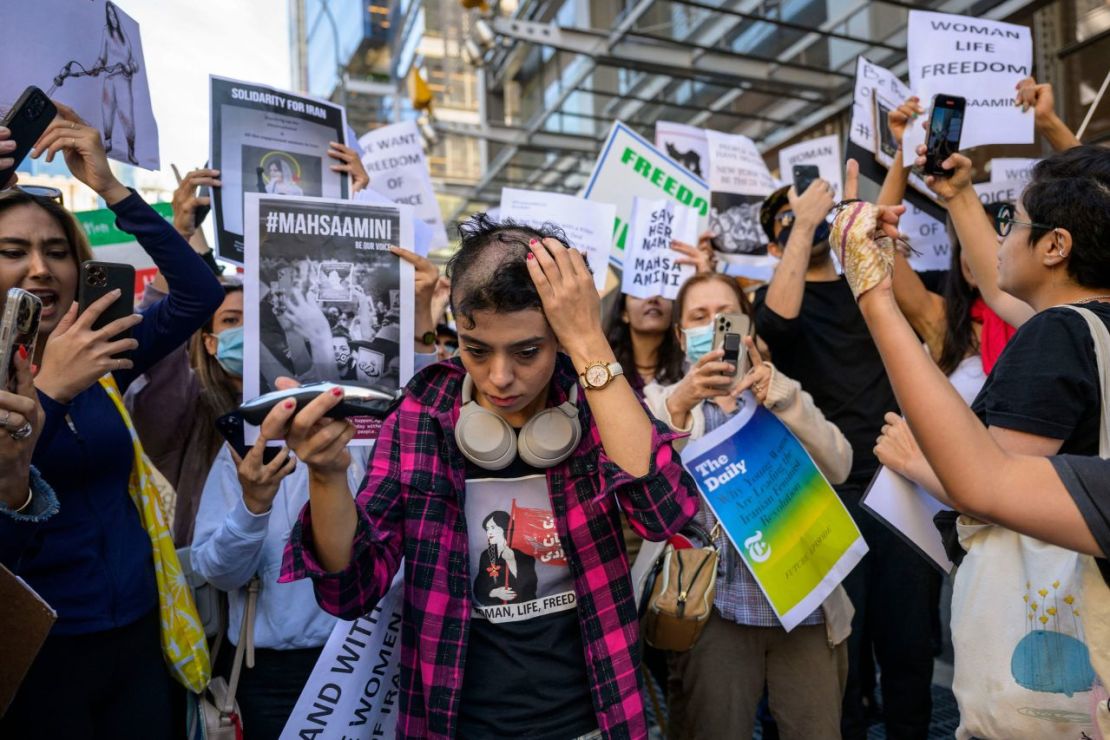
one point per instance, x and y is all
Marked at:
(412, 507)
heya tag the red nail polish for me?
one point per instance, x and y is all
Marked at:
(289, 404)
(337, 391)
(531, 256)
(531, 242)
(22, 352)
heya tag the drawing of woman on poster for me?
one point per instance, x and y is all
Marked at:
(118, 64)
(505, 575)
(277, 177)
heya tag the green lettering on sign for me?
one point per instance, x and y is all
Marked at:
(100, 224)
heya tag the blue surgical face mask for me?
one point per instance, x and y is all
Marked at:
(699, 342)
(229, 350)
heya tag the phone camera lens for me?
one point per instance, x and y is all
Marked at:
(97, 278)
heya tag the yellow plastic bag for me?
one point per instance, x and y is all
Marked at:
(183, 642)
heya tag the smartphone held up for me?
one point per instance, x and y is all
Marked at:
(946, 122)
(19, 327)
(27, 120)
(97, 279)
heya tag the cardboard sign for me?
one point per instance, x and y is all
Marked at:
(740, 182)
(629, 166)
(823, 152)
(687, 145)
(394, 159)
(791, 529)
(650, 265)
(979, 60)
(869, 78)
(586, 224)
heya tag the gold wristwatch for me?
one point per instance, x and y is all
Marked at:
(599, 374)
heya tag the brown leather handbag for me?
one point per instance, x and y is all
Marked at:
(682, 596)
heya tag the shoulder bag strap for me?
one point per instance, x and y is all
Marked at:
(245, 648)
(1101, 337)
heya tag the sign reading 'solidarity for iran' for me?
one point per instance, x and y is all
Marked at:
(629, 166)
(791, 529)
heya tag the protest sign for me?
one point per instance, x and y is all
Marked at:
(1010, 169)
(421, 233)
(790, 528)
(88, 55)
(999, 192)
(739, 182)
(650, 265)
(823, 152)
(588, 225)
(908, 511)
(324, 299)
(928, 237)
(354, 691)
(630, 166)
(979, 60)
(869, 78)
(394, 159)
(268, 141)
(687, 145)
(111, 244)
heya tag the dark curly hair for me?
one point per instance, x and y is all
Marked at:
(489, 272)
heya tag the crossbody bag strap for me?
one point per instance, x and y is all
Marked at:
(1101, 337)
(245, 648)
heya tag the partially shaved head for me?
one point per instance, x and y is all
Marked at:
(489, 272)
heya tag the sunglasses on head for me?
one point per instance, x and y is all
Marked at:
(1004, 221)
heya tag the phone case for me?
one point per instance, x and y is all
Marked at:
(27, 120)
(939, 142)
(19, 325)
(98, 279)
(804, 175)
(733, 323)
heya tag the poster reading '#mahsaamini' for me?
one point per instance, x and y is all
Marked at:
(268, 141)
(324, 298)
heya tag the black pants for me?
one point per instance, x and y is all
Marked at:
(268, 692)
(894, 591)
(110, 685)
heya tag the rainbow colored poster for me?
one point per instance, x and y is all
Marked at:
(782, 516)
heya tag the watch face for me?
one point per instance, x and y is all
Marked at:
(597, 375)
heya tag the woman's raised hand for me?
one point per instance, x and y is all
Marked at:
(83, 150)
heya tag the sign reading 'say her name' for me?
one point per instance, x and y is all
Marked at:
(651, 267)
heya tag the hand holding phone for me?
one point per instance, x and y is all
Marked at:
(27, 120)
(19, 327)
(729, 330)
(99, 279)
(946, 122)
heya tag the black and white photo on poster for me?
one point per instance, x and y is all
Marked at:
(89, 56)
(518, 567)
(324, 298)
(734, 218)
(265, 140)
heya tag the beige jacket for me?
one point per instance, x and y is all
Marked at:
(824, 442)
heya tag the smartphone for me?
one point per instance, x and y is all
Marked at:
(99, 278)
(230, 426)
(27, 120)
(946, 123)
(804, 175)
(729, 330)
(19, 325)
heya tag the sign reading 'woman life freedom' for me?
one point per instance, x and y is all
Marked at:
(791, 529)
(979, 60)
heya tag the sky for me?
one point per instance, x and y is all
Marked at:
(184, 42)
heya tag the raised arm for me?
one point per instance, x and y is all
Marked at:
(784, 294)
(978, 238)
(1048, 124)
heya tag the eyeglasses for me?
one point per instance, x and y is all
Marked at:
(786, 218)
(1004, 221)
(41, 191)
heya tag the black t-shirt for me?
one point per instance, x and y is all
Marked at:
(1046, 381)
(828, 349)
(1088, 481)
(525, 673)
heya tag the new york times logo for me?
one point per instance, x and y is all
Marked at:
(323, 224)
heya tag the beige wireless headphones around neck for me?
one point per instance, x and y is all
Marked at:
(490, 442)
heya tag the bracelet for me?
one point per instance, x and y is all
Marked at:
(26, 503)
